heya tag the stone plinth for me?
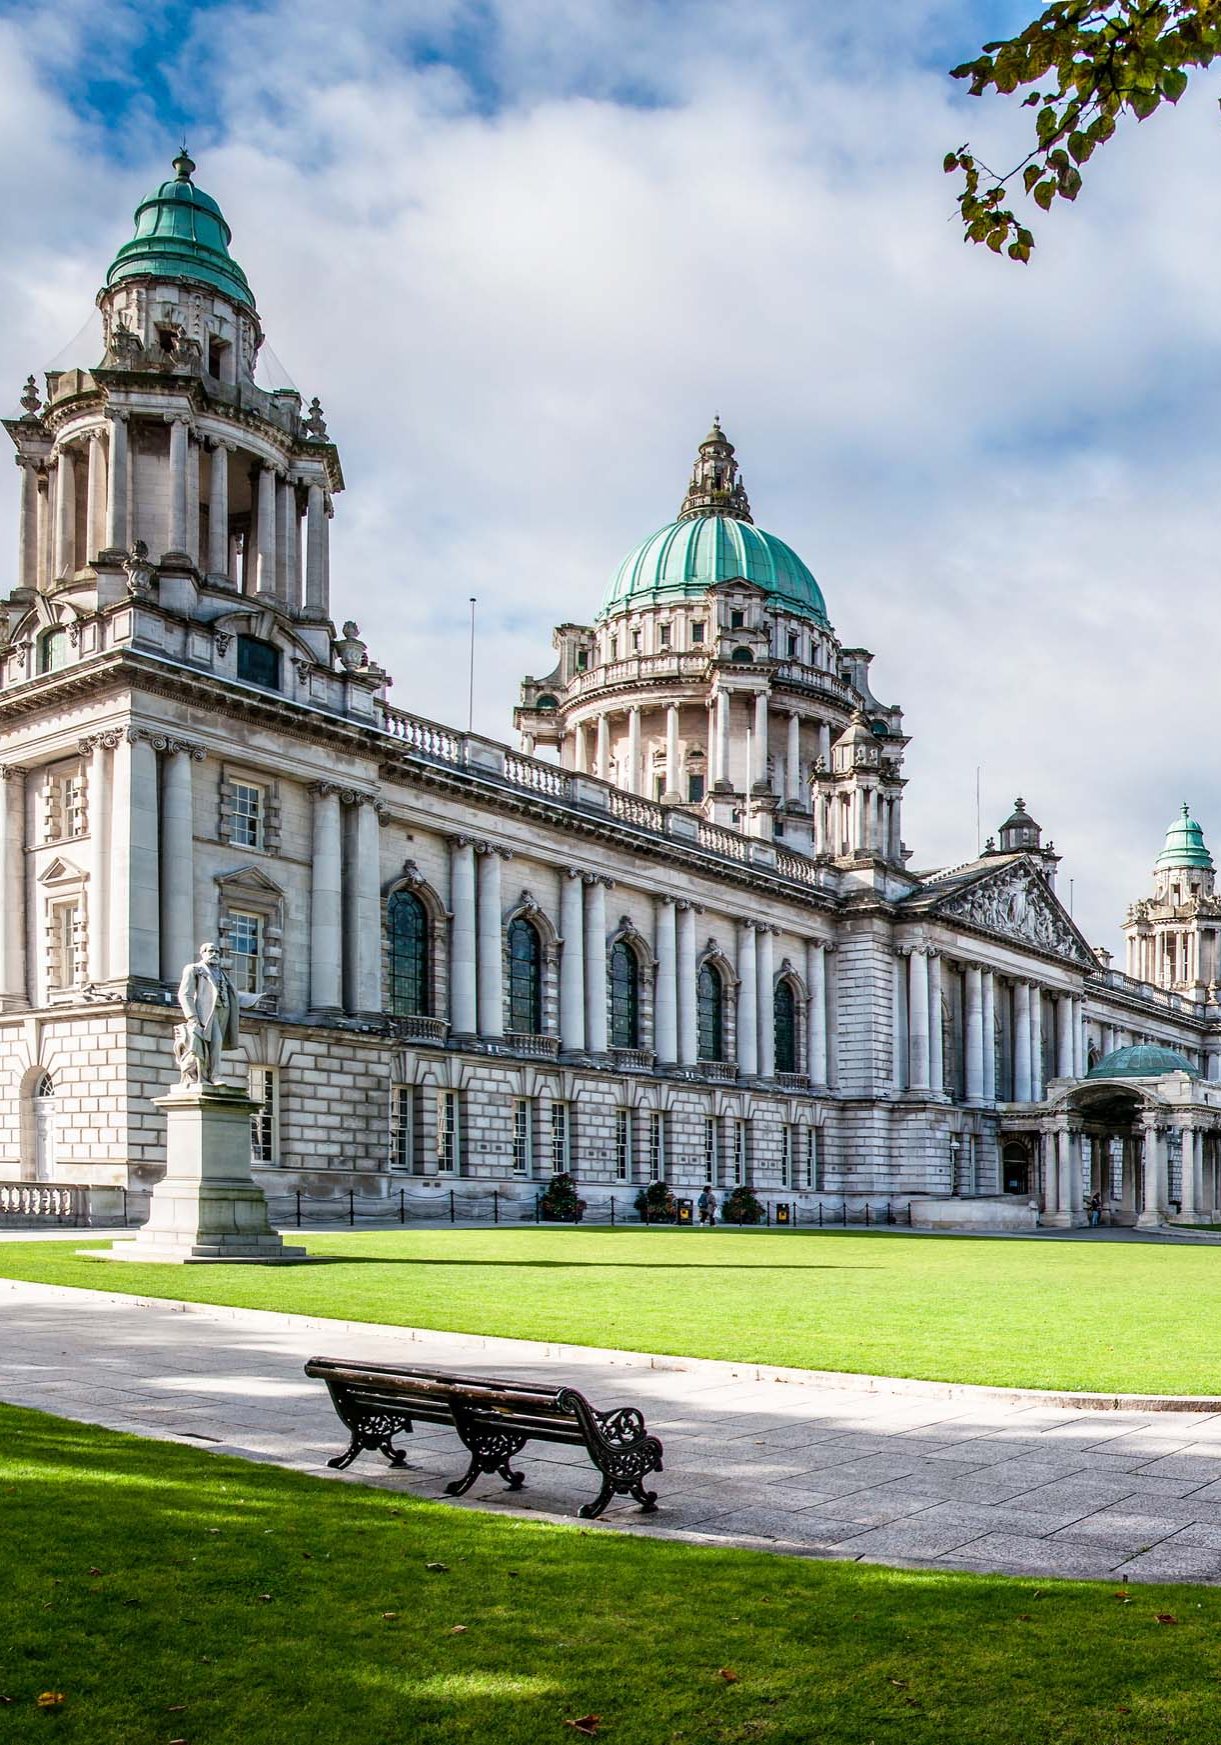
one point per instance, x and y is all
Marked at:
(207, 1207)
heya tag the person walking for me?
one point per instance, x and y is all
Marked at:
(707, 1206)
(1094, 1208)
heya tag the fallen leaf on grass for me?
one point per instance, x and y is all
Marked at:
(728, 1674)
(458, 1630)
(1025, 1618)
(51, 1699)
(437, 1568)
(587, 1724)
(1122, 1711)
(899, 1683)
(1164, 1618)
(175, 1708)
(1123, 1596)
(95, 1572)
(389, 1614)
(264, 1596)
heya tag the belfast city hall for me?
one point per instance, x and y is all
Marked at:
(672, 933)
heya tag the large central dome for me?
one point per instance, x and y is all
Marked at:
(713, 540)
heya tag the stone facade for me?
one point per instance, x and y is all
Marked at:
(691, 947)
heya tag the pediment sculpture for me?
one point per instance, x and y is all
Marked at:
(1018, 905)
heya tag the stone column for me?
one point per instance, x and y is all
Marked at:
(463, 1008)
(1079, 1050)
(1072, 1201)
(95, 497)
(326, 902)
(988, 1091)
(918, 1052)
(287, 578)
(176, 526)
(824, 743)
(792, 771)
(595, 965)
(665, 1007)
(46, 530)
(1153, 1160)
(816, 1022)
(1021, 1042)
(65, 515)
(758, 776)
(490, 956)
(116, 484)
(580, 749)
(748, 1009)
(936, 1035)
(97, 803)
(218, 514)
(1189, 1197)
(192, 544)
(672, 790)
(688, 1041)
(135, 888)
(898, 1021)
(1064, 1036)
(27, 525)
(1049, 1151)
(368, 881)
(974, 1016)
(633, 783)
(766, 1001)
(265, 532)
(1036, 1044)
(604, 747)
(12, 872)
(721, 770)
(178, 939)
(317, 603)
(572, 961)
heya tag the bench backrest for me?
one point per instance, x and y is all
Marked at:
(433, 1394)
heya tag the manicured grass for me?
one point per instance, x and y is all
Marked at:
(169, 1594)
(1112, 1317)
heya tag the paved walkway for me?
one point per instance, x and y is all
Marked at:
(966, 1483)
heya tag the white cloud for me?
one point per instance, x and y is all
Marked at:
(520, 315)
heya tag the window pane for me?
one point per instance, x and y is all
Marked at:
(246, 815)
(711, 1016)
(261, 1087)
(245, 951)
(409, 956)
(53, 651)
(258, 663)
(786, 1028)
(625, 996)
(525, 979)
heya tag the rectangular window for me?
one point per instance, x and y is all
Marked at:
(635, 642)
(695, 788)
(659, 787)
(697, 633)
(247, 811)
(623, 1145)
(614, 648)
(74, 806)
(261, 1088)
(523, 1135)
(792, 647)
(657, 1145)
(65, 956)
(811, 1157)
(711, 1148)
(663, 635)
(258, 663)
(449, 1131)
(402, 1127)
(786, 1159)
(737, 1169)
(245, 943)
(737, 620)
(561, 1139)
(582, 660)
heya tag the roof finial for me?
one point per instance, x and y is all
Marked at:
(716, 486)
(183, 166)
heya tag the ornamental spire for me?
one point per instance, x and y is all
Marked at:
(715, 487)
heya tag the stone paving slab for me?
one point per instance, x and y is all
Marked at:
(797, 1467)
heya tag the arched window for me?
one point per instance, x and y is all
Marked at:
(710, 1013)
(742, 656)
(525, 978)
(786, 1028)
(52, 651)
(407, 922)
(624, 996)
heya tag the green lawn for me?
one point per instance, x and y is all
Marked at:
(167, 1594)
(1105, 1316)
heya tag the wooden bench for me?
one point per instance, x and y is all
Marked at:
(493, 1418)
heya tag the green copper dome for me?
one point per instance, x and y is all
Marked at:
(1143, 1062)
(690, 556)
(181, 234)
(1184, 844)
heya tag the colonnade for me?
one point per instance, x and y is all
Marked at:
(861, 820)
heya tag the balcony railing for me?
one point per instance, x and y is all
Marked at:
(631, 1059)
(537, 1047)
(416, 1028)
(65, 1201)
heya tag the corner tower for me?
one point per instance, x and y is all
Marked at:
(1173, 938)
(711, 679)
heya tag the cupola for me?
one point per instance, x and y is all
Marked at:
(181, 233)
(1184, 845)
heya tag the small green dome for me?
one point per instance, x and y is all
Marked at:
(1184, 844)
(684, 559)
(1143, 1062)
(181, 234)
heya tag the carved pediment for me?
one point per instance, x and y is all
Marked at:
(249, 879)
(1016, 904)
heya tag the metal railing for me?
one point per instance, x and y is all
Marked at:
(784, 1209)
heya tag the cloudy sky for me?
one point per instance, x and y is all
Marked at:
(523, 249)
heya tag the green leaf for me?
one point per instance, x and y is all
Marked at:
(1045, 193)
(1030, 176)
(1173, 83)
(951, 162)
(1080, 146)
(1143, 103)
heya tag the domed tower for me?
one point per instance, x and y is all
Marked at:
(176, 468)
(711, 679)
(1173, 937)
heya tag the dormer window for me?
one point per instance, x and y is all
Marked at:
(258, 663)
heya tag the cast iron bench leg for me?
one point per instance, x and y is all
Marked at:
(490, 1451)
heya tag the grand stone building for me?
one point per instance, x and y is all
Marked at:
(687, 942)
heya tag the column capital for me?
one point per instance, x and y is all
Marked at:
(355, 797)
(108, 738)
(322, 790)
(600, 879)
(454, 841)
(570, 872)
(13, 772)
(1153, 1120)
(493, 848)
(664, 897)
(688, 903)
(179, 418)
(164, 742)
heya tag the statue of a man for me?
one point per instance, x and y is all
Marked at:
(210, 1004)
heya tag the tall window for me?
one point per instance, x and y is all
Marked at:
(258, 663)
(52, 651)
(561, 1139)
(407, 924)
(65, 942)
(737, 1167)
(710, 1011)
(246, 951)
(523, 1135)
(248, 811)
(624, 996)
(402, 1127)
(525, 978)
(695, 787)
(711, 1148)
(786, 1028)
(657, 1145)
(449, 1131)
(787, 1155)
(623, 1145)
(811, 1171)
(261, 1088)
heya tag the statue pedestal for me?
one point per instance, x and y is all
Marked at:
(207, 1207)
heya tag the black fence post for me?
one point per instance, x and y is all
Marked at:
(845, 1214)
(495, 1206)
(125, 1213)
(451, 1205)
(351, 1206)
(298, 1208)
(538, 1213)
(820, 1214)
(612, 1210)
(402, 1206)
(866, 1214)
(768, 1210)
